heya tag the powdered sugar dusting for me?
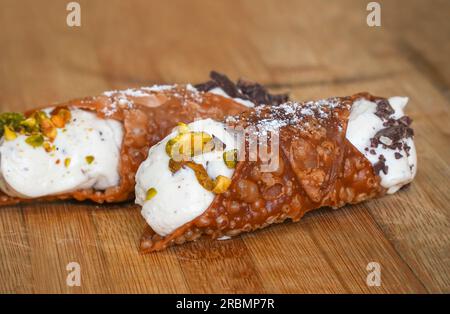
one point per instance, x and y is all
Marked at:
(124, 99)
(272, 118)
(159, 88)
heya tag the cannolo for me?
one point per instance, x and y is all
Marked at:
(90, 149)
(207, 179)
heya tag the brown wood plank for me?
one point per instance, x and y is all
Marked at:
(15, 270)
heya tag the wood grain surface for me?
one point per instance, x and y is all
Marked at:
(313, 49)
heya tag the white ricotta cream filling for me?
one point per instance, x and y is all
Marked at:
(363, 124)
(179, 196)
(30, 172)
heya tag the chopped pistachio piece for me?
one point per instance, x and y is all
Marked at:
(48, 147)
(12, 120)
(150, 194)
(221, 184)
(58, 121)
(230, 158)
(89, 159)
(40, 116)
(174, 166)
(187, 145)
(9, 134)
(169, 146)
(201, 175)
(183, 128)
(217, 186)
(60, 117)
(30, 124)
(67, 162)
(199, 141)
(48, 128)
(36, 140)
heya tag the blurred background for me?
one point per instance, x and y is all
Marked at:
(311, 48)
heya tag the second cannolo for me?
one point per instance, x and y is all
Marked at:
(90, 148)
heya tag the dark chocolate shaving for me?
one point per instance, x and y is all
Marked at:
(246, 90)
(374, 142)
(259, 95)
(398, 155)
(380, 165)
(225, 83)
(208, 85)
(394, 133)
(405, 120)
(407, 148)
(384, 109)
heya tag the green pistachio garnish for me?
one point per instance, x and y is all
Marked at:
(221, 184)
(60, 117)
(89, 159)
(40, 116)
(150, 194)
(9, 134)
(188, 144)
(37, 123)
(30, 124)
(36, 140)
(49, 147)
(182, 128)
(230, 158)
(12, 120)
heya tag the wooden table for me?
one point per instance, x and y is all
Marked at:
(313, 49)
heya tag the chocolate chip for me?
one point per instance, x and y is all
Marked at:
(405, 120)
(372, 151)
(243, 89)
(374, 142)
(398, 155)
(397, 145)
(384, 109)
(380, 165)
(259, 94)
(394, 133)
(207, 86)
(406, 148)
(389, 122)
(225, 83)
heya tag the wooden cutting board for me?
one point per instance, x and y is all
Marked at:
(313, 49)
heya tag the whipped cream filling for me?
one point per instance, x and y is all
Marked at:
(30, 172)
(363, 124)
(179, 196)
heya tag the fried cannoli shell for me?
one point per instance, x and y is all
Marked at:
(147, 116)
(318, 167)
